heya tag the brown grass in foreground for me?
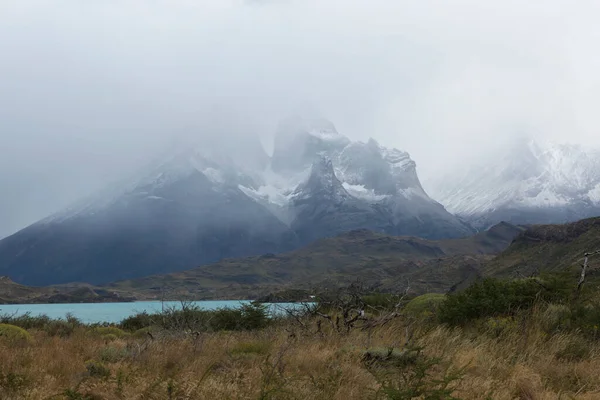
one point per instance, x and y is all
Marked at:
(521, 363)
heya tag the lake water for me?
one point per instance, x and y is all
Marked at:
(115, 312)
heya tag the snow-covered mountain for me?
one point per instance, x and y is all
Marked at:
(222, 198)
(529, 182)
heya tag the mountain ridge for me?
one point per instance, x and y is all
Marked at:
(526, 183)
(205, 202)
(379, 260)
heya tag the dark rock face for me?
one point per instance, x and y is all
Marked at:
(323, 208)
(180, 225)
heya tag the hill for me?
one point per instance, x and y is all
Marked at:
(379, 260)
(14, 293)
(547, 248)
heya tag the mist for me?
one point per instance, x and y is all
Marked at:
(90, 90)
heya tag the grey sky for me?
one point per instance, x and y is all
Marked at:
(88, 89)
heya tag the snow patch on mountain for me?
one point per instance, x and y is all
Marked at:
(594, 194)
(526, 175)
(361, 192)
(213, 175)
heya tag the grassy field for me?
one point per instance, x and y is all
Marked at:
(542, 350)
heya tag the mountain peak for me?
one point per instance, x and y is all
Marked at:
(299, 141)
(322, 182)
(526, 182)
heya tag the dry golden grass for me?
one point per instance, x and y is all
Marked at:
(522, 363)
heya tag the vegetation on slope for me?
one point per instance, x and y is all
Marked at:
(498, 339)
(376, 259)
(547, 248)
(14, 293)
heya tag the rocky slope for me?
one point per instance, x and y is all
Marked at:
(388, 263)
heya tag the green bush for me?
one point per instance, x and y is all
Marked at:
(138, 321)
(109, 331)
(53, 327)
(14, 334)
(556, 318)
(381, 300)
(111, 354)
(490, 297)
(585, 317)
(251, 316)
(141, 333)
(497, 326)
(424, 306)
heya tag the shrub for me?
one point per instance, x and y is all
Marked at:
(111, 354)
(381, 300)
(261, 347)
(97, 369)
(14, 334)
(497, 326)
(190, 318)
(424, 305)
(53, 327)
(108, 332)
(379, 357)
(137, 322)
(585, 318)
(555, 318)
(141, 333)
(487, 298)
(410, 374)
(110, 337)
(13, 383)
(576, 349)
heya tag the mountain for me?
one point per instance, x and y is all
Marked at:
(322, 184)
(221, 197)
(528, 183)
(386, 262)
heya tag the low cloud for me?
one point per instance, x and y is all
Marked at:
(88, 90)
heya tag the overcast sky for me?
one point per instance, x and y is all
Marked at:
(89, 89)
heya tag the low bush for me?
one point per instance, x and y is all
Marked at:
(425, 305)
(251, 316)
(488, 298)
(384, 301)
(14, 334)
(410, 374)
(555, 318)
(138, 321)
(575, 349)
(498, 326)
(53, 327)
(255, 347)
(96, 369)
(109, 331)
(112, 354)
(12, 383)
(142, 333)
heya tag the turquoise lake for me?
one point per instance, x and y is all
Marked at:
(114, 312)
